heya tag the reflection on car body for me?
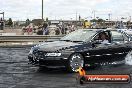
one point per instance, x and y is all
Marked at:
(82, 48)
(127, 31)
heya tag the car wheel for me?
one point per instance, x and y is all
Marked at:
(75, 61)
(128, 58)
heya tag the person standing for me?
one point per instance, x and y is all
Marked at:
(45, 29)
(34, 29)
(1, 24)
(29, 30)
(57, 31)
(23, 30)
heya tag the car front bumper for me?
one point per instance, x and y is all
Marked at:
(50, 62)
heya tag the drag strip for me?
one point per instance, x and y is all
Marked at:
(15, 72)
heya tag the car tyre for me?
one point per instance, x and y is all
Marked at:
(75, 61)
(128, 58)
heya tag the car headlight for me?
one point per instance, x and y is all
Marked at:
(53, 54)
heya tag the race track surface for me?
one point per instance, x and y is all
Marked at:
(15, 72)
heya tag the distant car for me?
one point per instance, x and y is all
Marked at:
(83, 48)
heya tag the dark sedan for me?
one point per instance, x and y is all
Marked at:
(84, 47)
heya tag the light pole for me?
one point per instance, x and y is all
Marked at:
(3, 15)
(2, 22)
(109, 19)
(76, 19)
(42, 9)
(94, 14)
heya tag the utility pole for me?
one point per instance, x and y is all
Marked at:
(42, 9)
(76, 19)
(129, 21)
(94, 13)
(76, 15)
(130, 18)
(2, 22)
(3, 15)
(109, 19)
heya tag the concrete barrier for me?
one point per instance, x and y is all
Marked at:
(27, 38)
(6, 34)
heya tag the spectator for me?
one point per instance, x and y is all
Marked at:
(45, 29)
(72, 28)
(23, 30)
(34, 29)
(57, 31)
(66, 30)
(29, 30)
(1, 24)
(104, 38)
(39, 31)
(62, 28)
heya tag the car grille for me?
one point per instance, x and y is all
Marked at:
(39, 54)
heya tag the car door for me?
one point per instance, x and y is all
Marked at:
(100, 53)
(119, 42)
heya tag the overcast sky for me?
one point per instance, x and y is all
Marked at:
(66, 9)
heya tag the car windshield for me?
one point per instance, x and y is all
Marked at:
(80, 35)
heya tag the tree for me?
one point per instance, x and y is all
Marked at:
(10, 23)
(93, 20)
(100, 20)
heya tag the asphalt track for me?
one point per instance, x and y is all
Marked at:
(15, 72)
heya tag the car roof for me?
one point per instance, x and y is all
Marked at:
(103, 30)
(99, 30)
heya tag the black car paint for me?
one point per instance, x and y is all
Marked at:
(92, 55)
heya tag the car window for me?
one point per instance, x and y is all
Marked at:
(98, 36)
(79, 35)
(117, 37)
